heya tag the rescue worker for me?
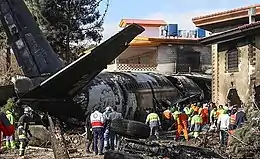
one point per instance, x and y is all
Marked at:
(240, 117)
(188, 110)
(232, 125)
(203, 116)
(24, 134)
(107, 124)
(112, 136)
(167, 118)
(206, 113)
(195, 107)
(196, 124)
(182, 124)
(6, 128)
(154, 123)
(97, 123)
(89, 134)
(9, 139)
(220, 110)
(223, 126)
(213, 116)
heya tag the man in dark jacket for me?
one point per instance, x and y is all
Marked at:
(240, 117)
(113, 116)
(89, 134)
(24, 133)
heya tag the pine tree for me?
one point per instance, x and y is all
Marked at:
(67, 23)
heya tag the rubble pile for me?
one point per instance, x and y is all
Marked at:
(132, 144)
(245, 143)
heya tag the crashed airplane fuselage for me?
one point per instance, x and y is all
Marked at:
(71, 91)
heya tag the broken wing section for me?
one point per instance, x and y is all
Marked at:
(32, 51)
(68, 81)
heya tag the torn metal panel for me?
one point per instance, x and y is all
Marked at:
(186, 86)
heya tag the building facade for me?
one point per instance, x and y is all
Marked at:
(153, 51)
(235, 44)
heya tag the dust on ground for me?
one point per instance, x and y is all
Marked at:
(46, 154)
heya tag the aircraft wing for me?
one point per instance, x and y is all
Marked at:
(69, 80)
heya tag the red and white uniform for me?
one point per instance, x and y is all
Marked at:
(97, 120)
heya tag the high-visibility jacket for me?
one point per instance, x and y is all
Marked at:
(153, 120)
(188, 110)
(195, 108)
(167, 115)
(196, 123)
(97, 120)
(219, 112)
(175, 114)
(196, 119)
(213, 115)
(10, 117)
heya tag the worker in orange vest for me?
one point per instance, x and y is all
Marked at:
(195, 107)
(167, 118)
(205, 114)
(182, 124)
(232, 124)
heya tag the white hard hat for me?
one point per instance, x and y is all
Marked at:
(27, 109)
(108, 108)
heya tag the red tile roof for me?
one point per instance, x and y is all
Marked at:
(225, 12)
(249, 25)
(124, 22)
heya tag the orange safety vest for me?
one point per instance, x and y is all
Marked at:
(167, 115)
(195, 108)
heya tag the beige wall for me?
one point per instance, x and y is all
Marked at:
(240, 79)
(243, 80)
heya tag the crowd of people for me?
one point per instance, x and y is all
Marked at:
(190, 120)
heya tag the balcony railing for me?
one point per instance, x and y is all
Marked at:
(132, 67)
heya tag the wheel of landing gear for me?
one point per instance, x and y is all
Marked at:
(121, 155)
(130, 129)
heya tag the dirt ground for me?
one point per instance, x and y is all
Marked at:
(33, 152)
(46, 154)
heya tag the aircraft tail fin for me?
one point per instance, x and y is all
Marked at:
(32, 51)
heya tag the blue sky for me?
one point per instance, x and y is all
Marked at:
(172, 11)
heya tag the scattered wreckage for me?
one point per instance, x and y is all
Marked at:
(133, 144)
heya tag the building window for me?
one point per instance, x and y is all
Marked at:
(232, 60)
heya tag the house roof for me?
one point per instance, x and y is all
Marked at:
(234, 16)
(143, 41)
(232, 34)
(143, 22)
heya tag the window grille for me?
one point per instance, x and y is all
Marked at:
(232, 60)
